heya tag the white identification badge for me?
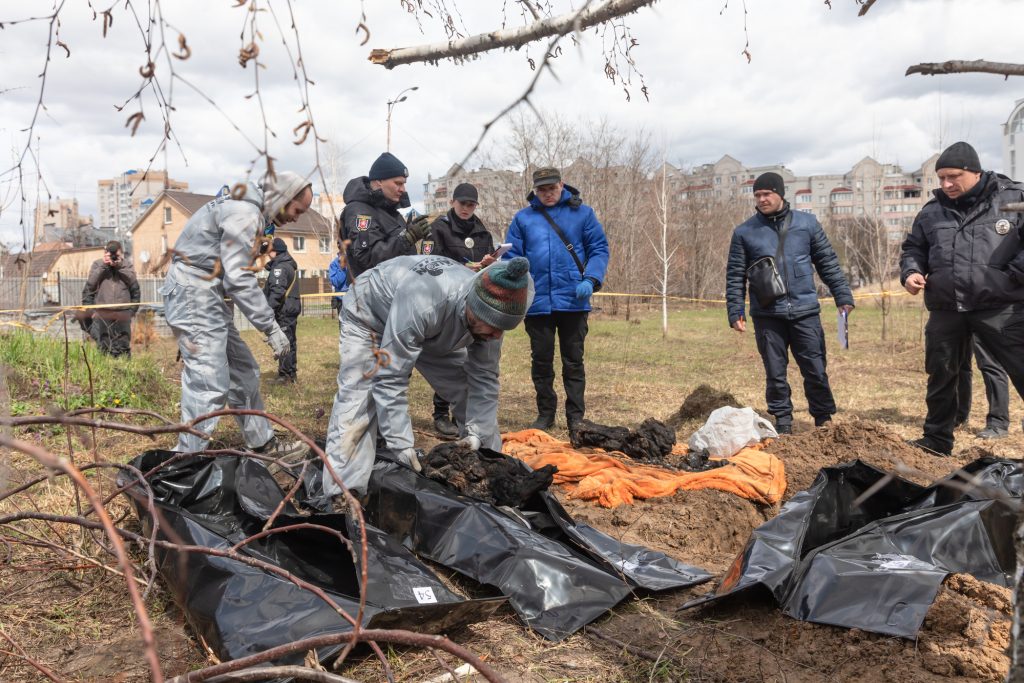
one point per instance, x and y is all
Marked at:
(469, 243)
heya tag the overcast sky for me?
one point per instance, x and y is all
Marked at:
(824, 88)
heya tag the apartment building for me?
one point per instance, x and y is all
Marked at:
(56, 218)
(121, 200)
(498, 193)
(310, 239)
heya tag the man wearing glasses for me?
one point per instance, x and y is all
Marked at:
(568, 254)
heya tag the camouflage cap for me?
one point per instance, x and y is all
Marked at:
(546, 176)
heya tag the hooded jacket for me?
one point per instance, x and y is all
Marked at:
(553, 269)
(281, 288)
(416, 306)
(461, 241)
(373, 226)
(219, 244)
(111, 285)
(806, 249)
(974, 260)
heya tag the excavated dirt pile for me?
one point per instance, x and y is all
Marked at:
(699, 405)
(498, 480)
(651, 441)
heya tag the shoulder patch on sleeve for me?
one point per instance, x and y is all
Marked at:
(363, 222)
(428, 247)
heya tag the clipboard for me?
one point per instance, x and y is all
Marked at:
(501, 250)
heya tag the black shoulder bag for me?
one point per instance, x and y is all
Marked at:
(766, 282)
(565, 241)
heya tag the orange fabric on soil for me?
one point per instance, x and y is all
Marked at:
(612, 481)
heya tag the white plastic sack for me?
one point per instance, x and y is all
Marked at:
(730, 429)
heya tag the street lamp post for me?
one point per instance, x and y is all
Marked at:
(400, 97)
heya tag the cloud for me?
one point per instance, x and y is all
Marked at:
(824, 88)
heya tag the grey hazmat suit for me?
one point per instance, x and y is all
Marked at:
(414, 309)
(212, 260)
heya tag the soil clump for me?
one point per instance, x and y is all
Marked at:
(699, 405)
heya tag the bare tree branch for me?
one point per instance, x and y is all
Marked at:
(960, 66)
(511, 38)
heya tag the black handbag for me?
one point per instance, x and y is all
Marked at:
(765, 281)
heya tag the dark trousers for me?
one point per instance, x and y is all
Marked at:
(775, 338)
(997, 389)
(113, 334)
(287, 365)
(571, 328)
(947, 349)
(442, 408)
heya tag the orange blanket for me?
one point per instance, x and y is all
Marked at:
(613, 481)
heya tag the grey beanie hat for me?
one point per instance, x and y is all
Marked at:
(501, 294)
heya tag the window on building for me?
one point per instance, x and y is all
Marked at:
(167, 214)
(718, 180)
(325, 245)
(299, 243)
(822, 199)
(732, 179)
(804, 198)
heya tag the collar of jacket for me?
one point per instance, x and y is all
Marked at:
(775, 219)
(988, 186)
(463, 227)
(570, 197)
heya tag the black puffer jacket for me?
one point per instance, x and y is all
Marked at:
(373, 226)
(973, 260)
(459, 240)
(282, 287)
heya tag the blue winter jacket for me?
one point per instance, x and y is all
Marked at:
(554, 272)
(806, 248)
(338, 277)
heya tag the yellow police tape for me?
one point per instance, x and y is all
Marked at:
(57, 311)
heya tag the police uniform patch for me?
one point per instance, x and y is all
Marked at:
(362, 223)
(1002, 226)
(428, 247)
(469, 243)
(277, 272)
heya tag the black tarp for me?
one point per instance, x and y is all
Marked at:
(240, 610)
(878, 566)
(558, 575)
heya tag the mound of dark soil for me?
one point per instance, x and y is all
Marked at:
(496, 479)
(699, 405)
(651, 441)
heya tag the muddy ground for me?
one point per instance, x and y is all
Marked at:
(645, 638)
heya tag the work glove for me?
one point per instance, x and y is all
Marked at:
(408, 456)
(584, 289)
(471, 441)
(417, 229)
(278, 342)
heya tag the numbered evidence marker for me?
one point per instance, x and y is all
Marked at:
(424, 595)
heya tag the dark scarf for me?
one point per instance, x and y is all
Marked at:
(460, 226)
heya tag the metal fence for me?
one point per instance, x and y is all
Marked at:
(37, 300)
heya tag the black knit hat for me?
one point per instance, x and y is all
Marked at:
(387, 166)
(279, 246)
(770, 181)
(959, 155)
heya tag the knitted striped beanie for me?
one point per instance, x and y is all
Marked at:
(499, 296)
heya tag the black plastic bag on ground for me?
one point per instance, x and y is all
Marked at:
(877, 566)
(239, 610)
(558, 575)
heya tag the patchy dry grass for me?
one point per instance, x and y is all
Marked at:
(71, 615)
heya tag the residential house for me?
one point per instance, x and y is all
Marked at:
(310, 239)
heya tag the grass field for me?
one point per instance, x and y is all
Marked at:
(71, 614)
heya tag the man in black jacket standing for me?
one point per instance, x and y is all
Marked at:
(786, 318)
(967, 254)
(370, 220)
(282, 292)
(461, 236)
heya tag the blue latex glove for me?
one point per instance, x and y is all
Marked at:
(584, 289)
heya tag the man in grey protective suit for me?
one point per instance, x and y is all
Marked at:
(213, 259)
(440, 317)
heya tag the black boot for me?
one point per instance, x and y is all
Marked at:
(543, 421)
